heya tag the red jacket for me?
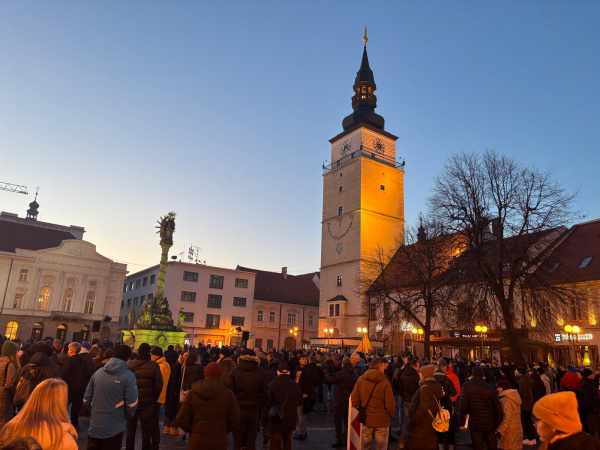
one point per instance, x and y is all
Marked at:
(450, 374)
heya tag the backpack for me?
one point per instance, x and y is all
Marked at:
(441, 421)
(26, 384)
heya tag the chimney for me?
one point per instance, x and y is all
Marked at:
(284, 272)
(496, 228)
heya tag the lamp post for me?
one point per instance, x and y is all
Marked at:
(362, 331)
(417, 333)
(481, 329)
(573, 330)
(294, 332)
(328, 333)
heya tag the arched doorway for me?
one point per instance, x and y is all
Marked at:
(61, 332)
(289, 343)
(38, 330)
(105, 333)
(85, 332)
(11, 330)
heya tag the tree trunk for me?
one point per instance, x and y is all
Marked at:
(511, 336)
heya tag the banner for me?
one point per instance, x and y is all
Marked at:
(354, 428)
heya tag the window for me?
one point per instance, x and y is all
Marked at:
(137, 284)
(373, 311)
(291, 319)
(23, 275)
(189, 296)
(555, 266)
(340, 210)
(43, 299)
(190, 276)
(188, 316)
(129, 303)
(341, 189)
(150, 296)
(241, 283)
(125, 287)
(145, 281)
(18, 303)
(585, 262)
(269, 343)
(310, 321)
(152, 279)
(216, 282)
(546, 311)
(337, 309)
(237, 321)
(90, 298)
(212, 321)
(122, 304)
(258, 343)
(142, 299)
(272, 317)
(11, 330)
(239, 301)
(259, 316)
(131, 286)
(506, 267)
(575, 310)
(382, 187)
(339, 280)
(135, 300)
(67, 300)
(331, 310)
(214, 301)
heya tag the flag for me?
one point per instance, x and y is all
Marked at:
(354, 428)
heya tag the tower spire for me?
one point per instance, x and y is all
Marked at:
(364, 100)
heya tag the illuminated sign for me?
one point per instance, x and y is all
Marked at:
(557, 337)
(581, 337)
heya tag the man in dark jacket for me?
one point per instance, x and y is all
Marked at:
(344, 381)
(248, 383)
(407, 384)
(149, 384)
(76, 371)
(589, 405)
(286, 393)
(526, 393)
(479, 400)
(307, 376)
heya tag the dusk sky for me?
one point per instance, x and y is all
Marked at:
(122, 111)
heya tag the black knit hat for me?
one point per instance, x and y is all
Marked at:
(144, 349)
(157, 351)
(122, 352)
(225, 352)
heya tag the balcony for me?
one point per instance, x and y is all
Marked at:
(365, 152)
(61, 315)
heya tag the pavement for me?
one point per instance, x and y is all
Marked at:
(320, 430)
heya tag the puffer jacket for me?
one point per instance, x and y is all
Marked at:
(510, 429)
(344, 381)
(526, 392)
(287, 394)
(382, 405)
(425, 402)
(209, 411)
(165, 370)
(149, 381)
(480, 401)
(249, 383)
(408, 383)
(76, 371)
(450, 374)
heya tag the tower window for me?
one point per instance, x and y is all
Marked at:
(341, 189)
(382, 187)
(585, 262)
(339, 280)
(340, 211)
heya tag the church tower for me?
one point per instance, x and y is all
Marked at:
(363, 207)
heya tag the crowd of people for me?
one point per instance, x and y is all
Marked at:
(206, 393)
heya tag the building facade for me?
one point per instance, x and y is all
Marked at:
(54, 284)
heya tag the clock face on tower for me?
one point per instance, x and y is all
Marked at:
(379, 145)
(345, 148)
(337, 231)
(340, 247)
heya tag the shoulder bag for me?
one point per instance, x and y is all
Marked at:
(362, 411)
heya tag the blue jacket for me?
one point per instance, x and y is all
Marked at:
(112, 398)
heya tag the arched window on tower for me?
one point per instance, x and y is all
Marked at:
(67, 300)
(89, 302)
(43, 299)
(11, 330)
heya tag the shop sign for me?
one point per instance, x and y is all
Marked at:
(406, 326)
(557, 337)
(581, 337)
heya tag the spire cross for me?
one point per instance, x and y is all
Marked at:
(365, 38)
(37, 189)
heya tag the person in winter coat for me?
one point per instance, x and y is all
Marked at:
(227, 364)
(589, 404)
(449, 391)
(172, 396)
(76, 371)
(480, 401)
(9, 367)
(39, 367)
(44, 417)
(284, 392)
(408, 384)
(209, 411)
(149, 382)
(508, 373)
(381, 406)
(156, 354)
(344, 381)
(510, 430)
(308, 376)
(558, 424)
(249, 384)
(358, 364)
(112, 398)
(526, 393)
(546, 380)
(423, 406)
(538, 389)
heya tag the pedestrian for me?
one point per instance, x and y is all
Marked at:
(307, 375)
(408, 384)
(39, 366)
(423, 407)
(209, 411)
(44, 417)
(156, 354)
(344, 381)
(374, 392)
(510, 430)
(526, 393)
(479, 400)
(149, 383)
(172, 396)
(558, 424)
(589, 404)
(283, 393)
(9, 367)
(446, 439)
(358, 364)
(76, 372)
(112, 398)
(227, 364)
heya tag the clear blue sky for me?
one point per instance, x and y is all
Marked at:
(221, 111)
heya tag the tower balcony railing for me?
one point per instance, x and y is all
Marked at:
(364, 152)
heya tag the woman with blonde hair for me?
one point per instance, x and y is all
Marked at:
(44, 417)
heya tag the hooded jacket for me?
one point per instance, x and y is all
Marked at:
(510, 429)
(249, 383)
(227, 364)
(423, 406)
(112, 398)
(382, 405)
(450, 374)
(209, 411)
(47, 368)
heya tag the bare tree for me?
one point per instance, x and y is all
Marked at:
(527, 210)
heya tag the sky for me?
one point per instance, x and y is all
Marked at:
(121, 111)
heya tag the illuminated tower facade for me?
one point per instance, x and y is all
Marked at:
(363, 207)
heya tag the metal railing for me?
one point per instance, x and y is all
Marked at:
(364, 152)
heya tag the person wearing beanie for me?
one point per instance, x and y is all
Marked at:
(558, 424)
(589, 404)
(526, 393)
(226, 363)
(113, 384)
(149, 381)
(284, 392)
(209, 411)
(344, 381)
(510, 430)
(9, 368)
(480, 401)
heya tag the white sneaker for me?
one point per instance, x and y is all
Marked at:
(529, 442)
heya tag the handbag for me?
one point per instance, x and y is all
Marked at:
(361, 417)
(182, 393)
(276, 413)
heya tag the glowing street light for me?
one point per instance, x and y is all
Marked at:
(481, 329)
(294, 331)
(362, 330)
(328, 333)
(573, 330)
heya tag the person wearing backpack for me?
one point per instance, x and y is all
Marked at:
(38, 369)
(424, 406)
(446, 439)
(480, 401)
(9, 367)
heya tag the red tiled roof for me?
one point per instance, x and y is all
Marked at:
(15, 235)
(273, 287)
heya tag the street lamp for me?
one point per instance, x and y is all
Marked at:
(481, 329)
(328, 333)
(417, 333)
(573, 330)
(362, 330)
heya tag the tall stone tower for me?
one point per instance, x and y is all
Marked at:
(363, 207)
